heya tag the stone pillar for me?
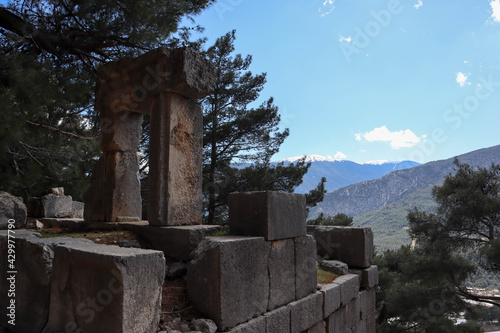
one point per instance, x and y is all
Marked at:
(161, 82)
(176, 147)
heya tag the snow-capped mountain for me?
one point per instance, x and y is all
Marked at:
(341, 173)
(311, 158)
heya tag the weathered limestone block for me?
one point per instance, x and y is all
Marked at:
(58, 206)
(349, 287)
(228, 279)
(281, 273)
(371, 323)
(368, 276)
(306, 312)
(336, 321)
(335, 266)
(318, 328)
(77, 208)
(352, 245)
(132, 81)
(100, 288)
(176, 150)
(4, 268)
(273, 215)
(257, 325)
(360, 327)
(306, 279)
(33, 264)
(353, 310)
(367, 302)
(57, 191)
(278, 320)
(34, 258)
(121, 129)
(115, 194)
(175, 241)
(331, 293)
(12, 207)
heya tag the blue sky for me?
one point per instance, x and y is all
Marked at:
(373, 80)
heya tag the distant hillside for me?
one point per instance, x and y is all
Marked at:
(382, 203)
(389, 223)
(341, 173)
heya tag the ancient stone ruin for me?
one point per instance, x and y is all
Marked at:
(162, 83)
(260, 278)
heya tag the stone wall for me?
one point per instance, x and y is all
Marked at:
(74, 285)
(263, 277)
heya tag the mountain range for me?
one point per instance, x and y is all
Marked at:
(382, 203)
(341, 173)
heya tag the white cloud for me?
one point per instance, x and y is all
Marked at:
(495, 6)
(420, 4)
(397, 139)
(327, 7)
(339, 156)
(462, 78)
(345, 39)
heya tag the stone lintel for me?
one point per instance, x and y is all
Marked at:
(134, 81)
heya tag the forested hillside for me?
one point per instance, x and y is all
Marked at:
(383, 203)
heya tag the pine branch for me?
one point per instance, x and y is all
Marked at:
(27, 151)
(53, 129)
(494, 300)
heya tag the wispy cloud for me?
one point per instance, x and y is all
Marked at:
(345, 39)
(340, 156)
(419, 4)
(327, 7)
(397, 139)
(495, 6)
(462, 79)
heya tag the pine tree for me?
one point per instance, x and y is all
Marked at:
(238, 133)
(50, 51)
(423, 287)
(467, 222)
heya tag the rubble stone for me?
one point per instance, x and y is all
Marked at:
(12, 207)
